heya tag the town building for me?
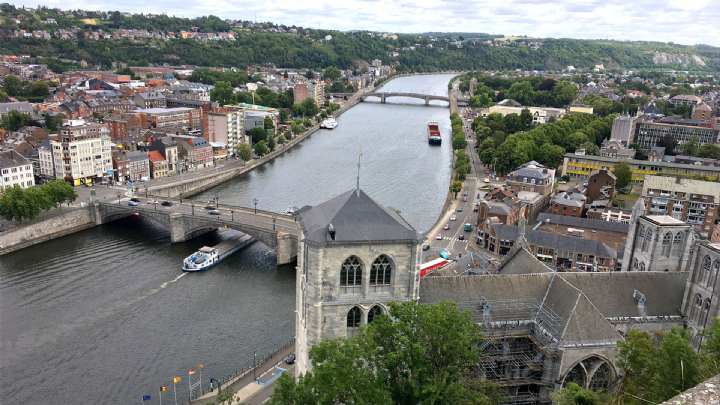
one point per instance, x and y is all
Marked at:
(581, 166)
(171, 118)
(138, 166)
(22, 107)
(685, 99)
(15, 170)
(616, 149)
(151, 99)
(195, 151)
(168, 148)
(600, 186)
(701, 303)
(702, 112)
(570, 203)
(46, 162)
(82, 152)
(649, 134)
(158, 164)
(226, 127)
(354, 258)
(532, 176)
(693, 201)
(300, 92)
(540, 115)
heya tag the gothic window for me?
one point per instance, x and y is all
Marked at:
(600, 380)
(646, 240)
(706, 271)
(635, 264)
(576, 375)
(666, 244)
(705, 312)
(351, 272)
(353, 320)
(696, 308)
(381, 271)
(642, 266)
(677, 244)
(714, 273)
(375, 311)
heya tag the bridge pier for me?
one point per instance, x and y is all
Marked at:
(382, 99)
(182, 231)
(427, 100)
(286, 248)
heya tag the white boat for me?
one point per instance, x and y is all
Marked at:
(328, 123)
(201, 260)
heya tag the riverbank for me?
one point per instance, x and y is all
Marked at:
(63, 222)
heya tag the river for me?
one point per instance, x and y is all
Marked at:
(105, 315)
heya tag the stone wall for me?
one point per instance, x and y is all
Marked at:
(53, 227)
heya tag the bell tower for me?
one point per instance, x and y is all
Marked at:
(354, 257)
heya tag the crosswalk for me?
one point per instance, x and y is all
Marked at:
(454, 239)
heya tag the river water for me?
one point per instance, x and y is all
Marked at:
(105, 315)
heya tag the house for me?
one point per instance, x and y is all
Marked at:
(571, 202)
(15, 170)
(158, 164)
(150, 99)
(19, 106)
(600, 185)
(532, 176)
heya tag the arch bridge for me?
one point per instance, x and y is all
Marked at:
(186, 219)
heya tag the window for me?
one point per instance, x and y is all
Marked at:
(353, 321)
(642, 266)
(646, 239)
(705, 275)
(381, 271)
(666, 244)
(351, 272)
(677, 244)
(375, 311)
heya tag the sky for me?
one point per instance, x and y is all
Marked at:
(680, 21)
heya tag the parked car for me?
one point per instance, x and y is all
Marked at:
(425, 246)
(439, 236)
(461, 237)
(486, 180)
(453, 218)
(290, 359)
(460, 209)
(446, 227)
(214, 212)
(166, 204)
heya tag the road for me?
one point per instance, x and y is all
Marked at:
(449, 233)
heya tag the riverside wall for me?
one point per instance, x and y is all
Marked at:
(56, 226)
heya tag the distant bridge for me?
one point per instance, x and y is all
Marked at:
(383, 96)
(189, 219)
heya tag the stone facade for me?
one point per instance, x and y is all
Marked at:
(657, 243)
(701, 303)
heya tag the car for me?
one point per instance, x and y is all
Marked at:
(166, 204)
(135, 199)
(425, 246)
(290, 359)
(453, 218)
(446, 227)
(461, 237)
(214, 212)
(132, 203)
(460, 209)
(210, 207)
(439, 236)
(486, 180)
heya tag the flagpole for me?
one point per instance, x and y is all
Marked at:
(160, 395)
(174, 391)
(189, 386)
(201, 387)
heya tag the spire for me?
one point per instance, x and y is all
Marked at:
(522, 239)
(357, 185)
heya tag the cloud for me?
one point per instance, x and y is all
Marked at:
(679, 21)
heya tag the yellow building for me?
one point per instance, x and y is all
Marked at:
(579, 108)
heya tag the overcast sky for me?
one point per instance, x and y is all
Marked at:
(680, 21)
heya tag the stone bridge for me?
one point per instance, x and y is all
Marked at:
(186, 219)
(383, 96)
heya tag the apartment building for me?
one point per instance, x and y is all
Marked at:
(81, 152)
(226, 127)
(15, 170)
(651, 134)
(693, 201)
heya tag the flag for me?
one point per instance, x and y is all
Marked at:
(163, 388)
(177, 379)
(146, 398)
(191, 371)
(200, 365)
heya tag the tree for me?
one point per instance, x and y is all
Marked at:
(15, 120)
(261, 148)
(244, 151)
(39, 89)
(710, 151)
(310, 74)
(331, 73)
(590, 148)
(623, 173)
(455, 187)
(678, 365)
(669, 142)
(257, 134)
(636, 356)
(573, 394)
(13, 86)
(59, 192)
(522, 92)
(53, 122)
(270, 140)
(222, 93)
(3, 96)
(691, 147)
(710, 350)
(268, 124)
(418, 354)
(563, 93)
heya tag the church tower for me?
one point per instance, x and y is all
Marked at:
(354, 257)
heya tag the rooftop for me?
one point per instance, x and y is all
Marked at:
(11, 158)
(682, 185)
(664, 220)
(637, 162)
(160, 110)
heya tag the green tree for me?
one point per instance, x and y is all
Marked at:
(670, 143)
(678, 365)
(455, 187)
(39, 90)
(257, 134)
(268, 124)
(636, 357)
(331, 73)
(522, 92)
(574, 394)
(15, 120)
(3, 96)
(261, 148)
(590, 148)
(710, 350)
(53, 122)
(244, 151)
(710, 151)
(623, 173)
(270, 140)
(59, 192)
(563, 93)
(13, 86)
(222, 93)
(418, 354)
(691, 147)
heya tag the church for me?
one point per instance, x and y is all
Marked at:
(543, 328)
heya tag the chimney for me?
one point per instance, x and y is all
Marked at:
(331, 231)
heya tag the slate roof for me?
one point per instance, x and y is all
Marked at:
(556, 241)
(589, 223)
(583, 305)
(355, 217)
(520, 261)
(20, 106)
(10, 158)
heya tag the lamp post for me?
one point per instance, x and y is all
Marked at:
(213, 380)
(192, 207)
(254, 365)
(216, 200)
(255, 202)
(232, 216)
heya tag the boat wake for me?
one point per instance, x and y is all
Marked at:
(165, 284)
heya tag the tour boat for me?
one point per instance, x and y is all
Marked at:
(201, 260)
(434, 137)
(328, 123)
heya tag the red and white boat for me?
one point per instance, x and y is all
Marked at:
(434, 137)
(432, 265)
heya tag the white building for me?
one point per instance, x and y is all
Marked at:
(82, 152)
(226, 127)
(16, 170)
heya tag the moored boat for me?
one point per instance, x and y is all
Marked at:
(328, 123)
